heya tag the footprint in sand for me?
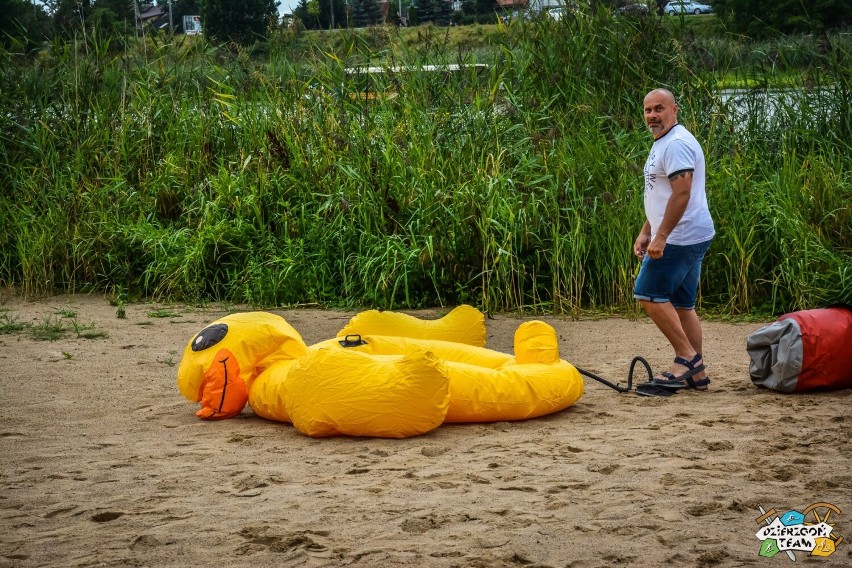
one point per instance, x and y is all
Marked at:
(605, 469)
(433, 451)
(702, 509)
(145, 541)
(56, 512)
(263, 536)
(419, 525)
(719, 446)
(107, 516)
(250, 486)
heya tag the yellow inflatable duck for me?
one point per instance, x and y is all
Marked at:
(386, 374)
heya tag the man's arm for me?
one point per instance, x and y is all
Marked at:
(681, 189)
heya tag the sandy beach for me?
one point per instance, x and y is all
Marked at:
(103, 463)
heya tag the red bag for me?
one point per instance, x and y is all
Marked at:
(803, 351)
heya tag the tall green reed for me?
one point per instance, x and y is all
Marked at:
(186, 170)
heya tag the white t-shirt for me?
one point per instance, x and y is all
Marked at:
(676, 151)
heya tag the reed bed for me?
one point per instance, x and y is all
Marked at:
(184, 170)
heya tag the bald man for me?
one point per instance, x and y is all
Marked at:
(677, 232)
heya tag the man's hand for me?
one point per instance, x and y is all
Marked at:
(641, 245)
(656, 247)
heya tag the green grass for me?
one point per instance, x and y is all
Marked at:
(88, 331)
(194, 172)
(9, 325)
(49, 329)
(52, 329)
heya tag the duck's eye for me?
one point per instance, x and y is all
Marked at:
(209, 336)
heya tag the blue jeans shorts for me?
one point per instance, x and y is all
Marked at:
(672, 277)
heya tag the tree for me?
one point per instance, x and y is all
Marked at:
(444, 12)
(24, 22)
(479, 10)
(241, 21)
(436, 11)
(110, 17)
(69, 16)
(317, 15)
(103, 18)
(366, 13)
(759, 18)
(425, 10)
(122, 9)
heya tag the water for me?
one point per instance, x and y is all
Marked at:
(764, 110)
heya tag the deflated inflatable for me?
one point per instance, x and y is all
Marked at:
(803, 351)
(386, 375)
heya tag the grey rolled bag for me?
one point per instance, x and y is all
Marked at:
(802, 351)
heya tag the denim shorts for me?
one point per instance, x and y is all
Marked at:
(672, 277)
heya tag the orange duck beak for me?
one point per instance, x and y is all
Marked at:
(223, 393)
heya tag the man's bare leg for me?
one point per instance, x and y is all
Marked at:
(691, 325)
(668, 321)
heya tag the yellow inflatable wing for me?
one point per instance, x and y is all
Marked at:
(372, 385)
(463, 324)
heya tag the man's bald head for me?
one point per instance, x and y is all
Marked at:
(663, 94)
(660, 111)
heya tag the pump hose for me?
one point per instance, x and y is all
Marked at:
(636, 359)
